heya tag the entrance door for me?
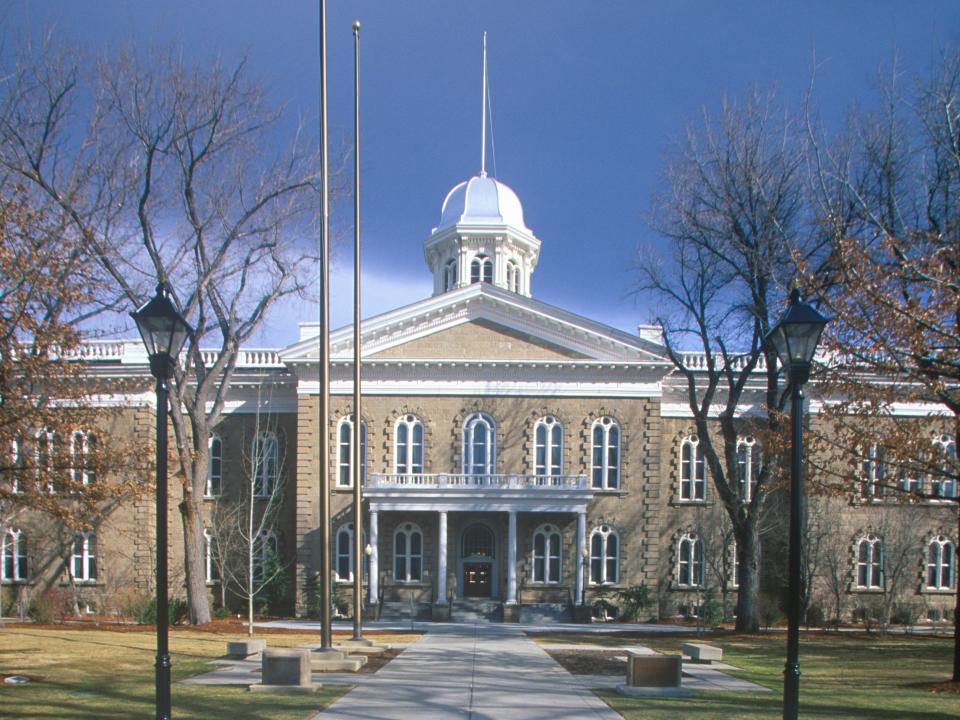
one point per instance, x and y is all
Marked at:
(476, 579)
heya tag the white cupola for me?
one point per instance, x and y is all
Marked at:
(481, 238)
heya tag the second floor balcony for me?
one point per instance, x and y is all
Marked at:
(467, 481)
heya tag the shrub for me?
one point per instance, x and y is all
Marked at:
(905, 614)
(177, 611)
(52, 605)
(311, 595)
(711, 609)
(636, 599)
(769, 612)
(220, 612)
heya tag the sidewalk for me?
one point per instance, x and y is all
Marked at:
(478, 672)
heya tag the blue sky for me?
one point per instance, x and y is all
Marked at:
(586, 98)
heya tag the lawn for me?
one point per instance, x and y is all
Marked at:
(849, 675)
(108, 674)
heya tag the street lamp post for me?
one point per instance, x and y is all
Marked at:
(164, 331)
(795, 338)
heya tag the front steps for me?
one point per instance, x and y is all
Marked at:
(476, 610)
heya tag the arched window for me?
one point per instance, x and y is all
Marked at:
(82, 446)
(604, 556)
(344, 554)
(265, 459)
(266, 557)
(690, 561)
(14, 565)
(511, 276)
(214, 466)
(944, 484)
(940, 564)
(606, 453)
(408, 445)
(546, 554)
(345, 452)
(548, 436)
(693, 470)
(408, 553)
(44, 448)
(450, 275)
(16, 463)
(749, 463)
(83, 567)
(211, 567)
(733, 577)
(481, 269)
(479, 445)
(516, 279)
(870, 562)
(477, 542)
(872, 472)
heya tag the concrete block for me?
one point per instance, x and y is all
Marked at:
(440, 613)
(285, 667)
(701, 652)
(654, 671)
(243, 649)
(511, 613)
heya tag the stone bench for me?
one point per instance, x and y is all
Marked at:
(700, 652)
(654, 675)
(243, 649)
(285, 671)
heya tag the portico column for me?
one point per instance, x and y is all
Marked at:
(581, 543)
(374, 579)
(442, 558)
(512, 559)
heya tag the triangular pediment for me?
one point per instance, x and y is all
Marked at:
(480, 322)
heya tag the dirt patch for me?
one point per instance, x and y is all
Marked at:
(375, 662)
(592, 662)
(937, 687)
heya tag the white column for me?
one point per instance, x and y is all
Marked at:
(512, 559)
(581, 543)
(442, 559)
(374, 579)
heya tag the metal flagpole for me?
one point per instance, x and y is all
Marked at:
(358, 458)
(323, 411)
(483, 113)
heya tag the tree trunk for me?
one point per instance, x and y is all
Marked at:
(748, 579)
(193, 543)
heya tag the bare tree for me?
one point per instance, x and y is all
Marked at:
(166, 170)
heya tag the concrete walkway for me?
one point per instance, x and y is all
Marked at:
(478, 672)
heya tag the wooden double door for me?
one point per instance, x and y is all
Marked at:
(477, 579)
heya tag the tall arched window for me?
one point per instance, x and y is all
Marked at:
(690, 561)
(546, 554)
(82, 446)
(266, 557)
(478, 542)
(516, 279)
(44, 449)
(450, 275)
(408, 445)
(548, 434)
(749, 463)
(343, 566)
(83, 566)
(408, 553)
(693, 470)
(872, 472)
(479, 445)
(16, 463)
(214, 466)
(870, 562)
(265, 455)
(511, 276)
(604, 556)
(605, 469)
(211, 567)
(345, 452)
(14, 566)
(944, 484)
(940, 564)
(481, 269)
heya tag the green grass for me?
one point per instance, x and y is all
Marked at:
(106, 675)
(842, 676)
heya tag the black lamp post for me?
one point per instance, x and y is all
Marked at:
(795, 338)
(164, 331)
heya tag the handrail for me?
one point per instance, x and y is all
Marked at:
(467, 480)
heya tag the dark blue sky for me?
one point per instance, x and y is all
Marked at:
(586, 97)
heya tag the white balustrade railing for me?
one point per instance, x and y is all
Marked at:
(698, 361)
(466, 481)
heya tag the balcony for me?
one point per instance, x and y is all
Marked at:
(478, 493)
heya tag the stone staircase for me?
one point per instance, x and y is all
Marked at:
(545, 613)
(404, 611)
(476, 610)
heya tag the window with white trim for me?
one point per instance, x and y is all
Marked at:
(605, 454)
(83, 565)
(408, 445)
(211, 567)
(345, 452)
(266, 457)
(44, 449)
(450, 275)
(16, 463)
(873, 472)
(547, 544)
(214, 466)
(944, 484)
(479, 445)
(733, 580)
(266, 555)
(693, 470)
(343, 565)
(14, 564)
(870, 563)
(82, 445)
(690, 561)
(940, 564)
(548, 447)
(481, 269)
(408, 553)
(749, 464)
(604, 556)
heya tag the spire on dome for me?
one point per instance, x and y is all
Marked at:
(483, 113)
